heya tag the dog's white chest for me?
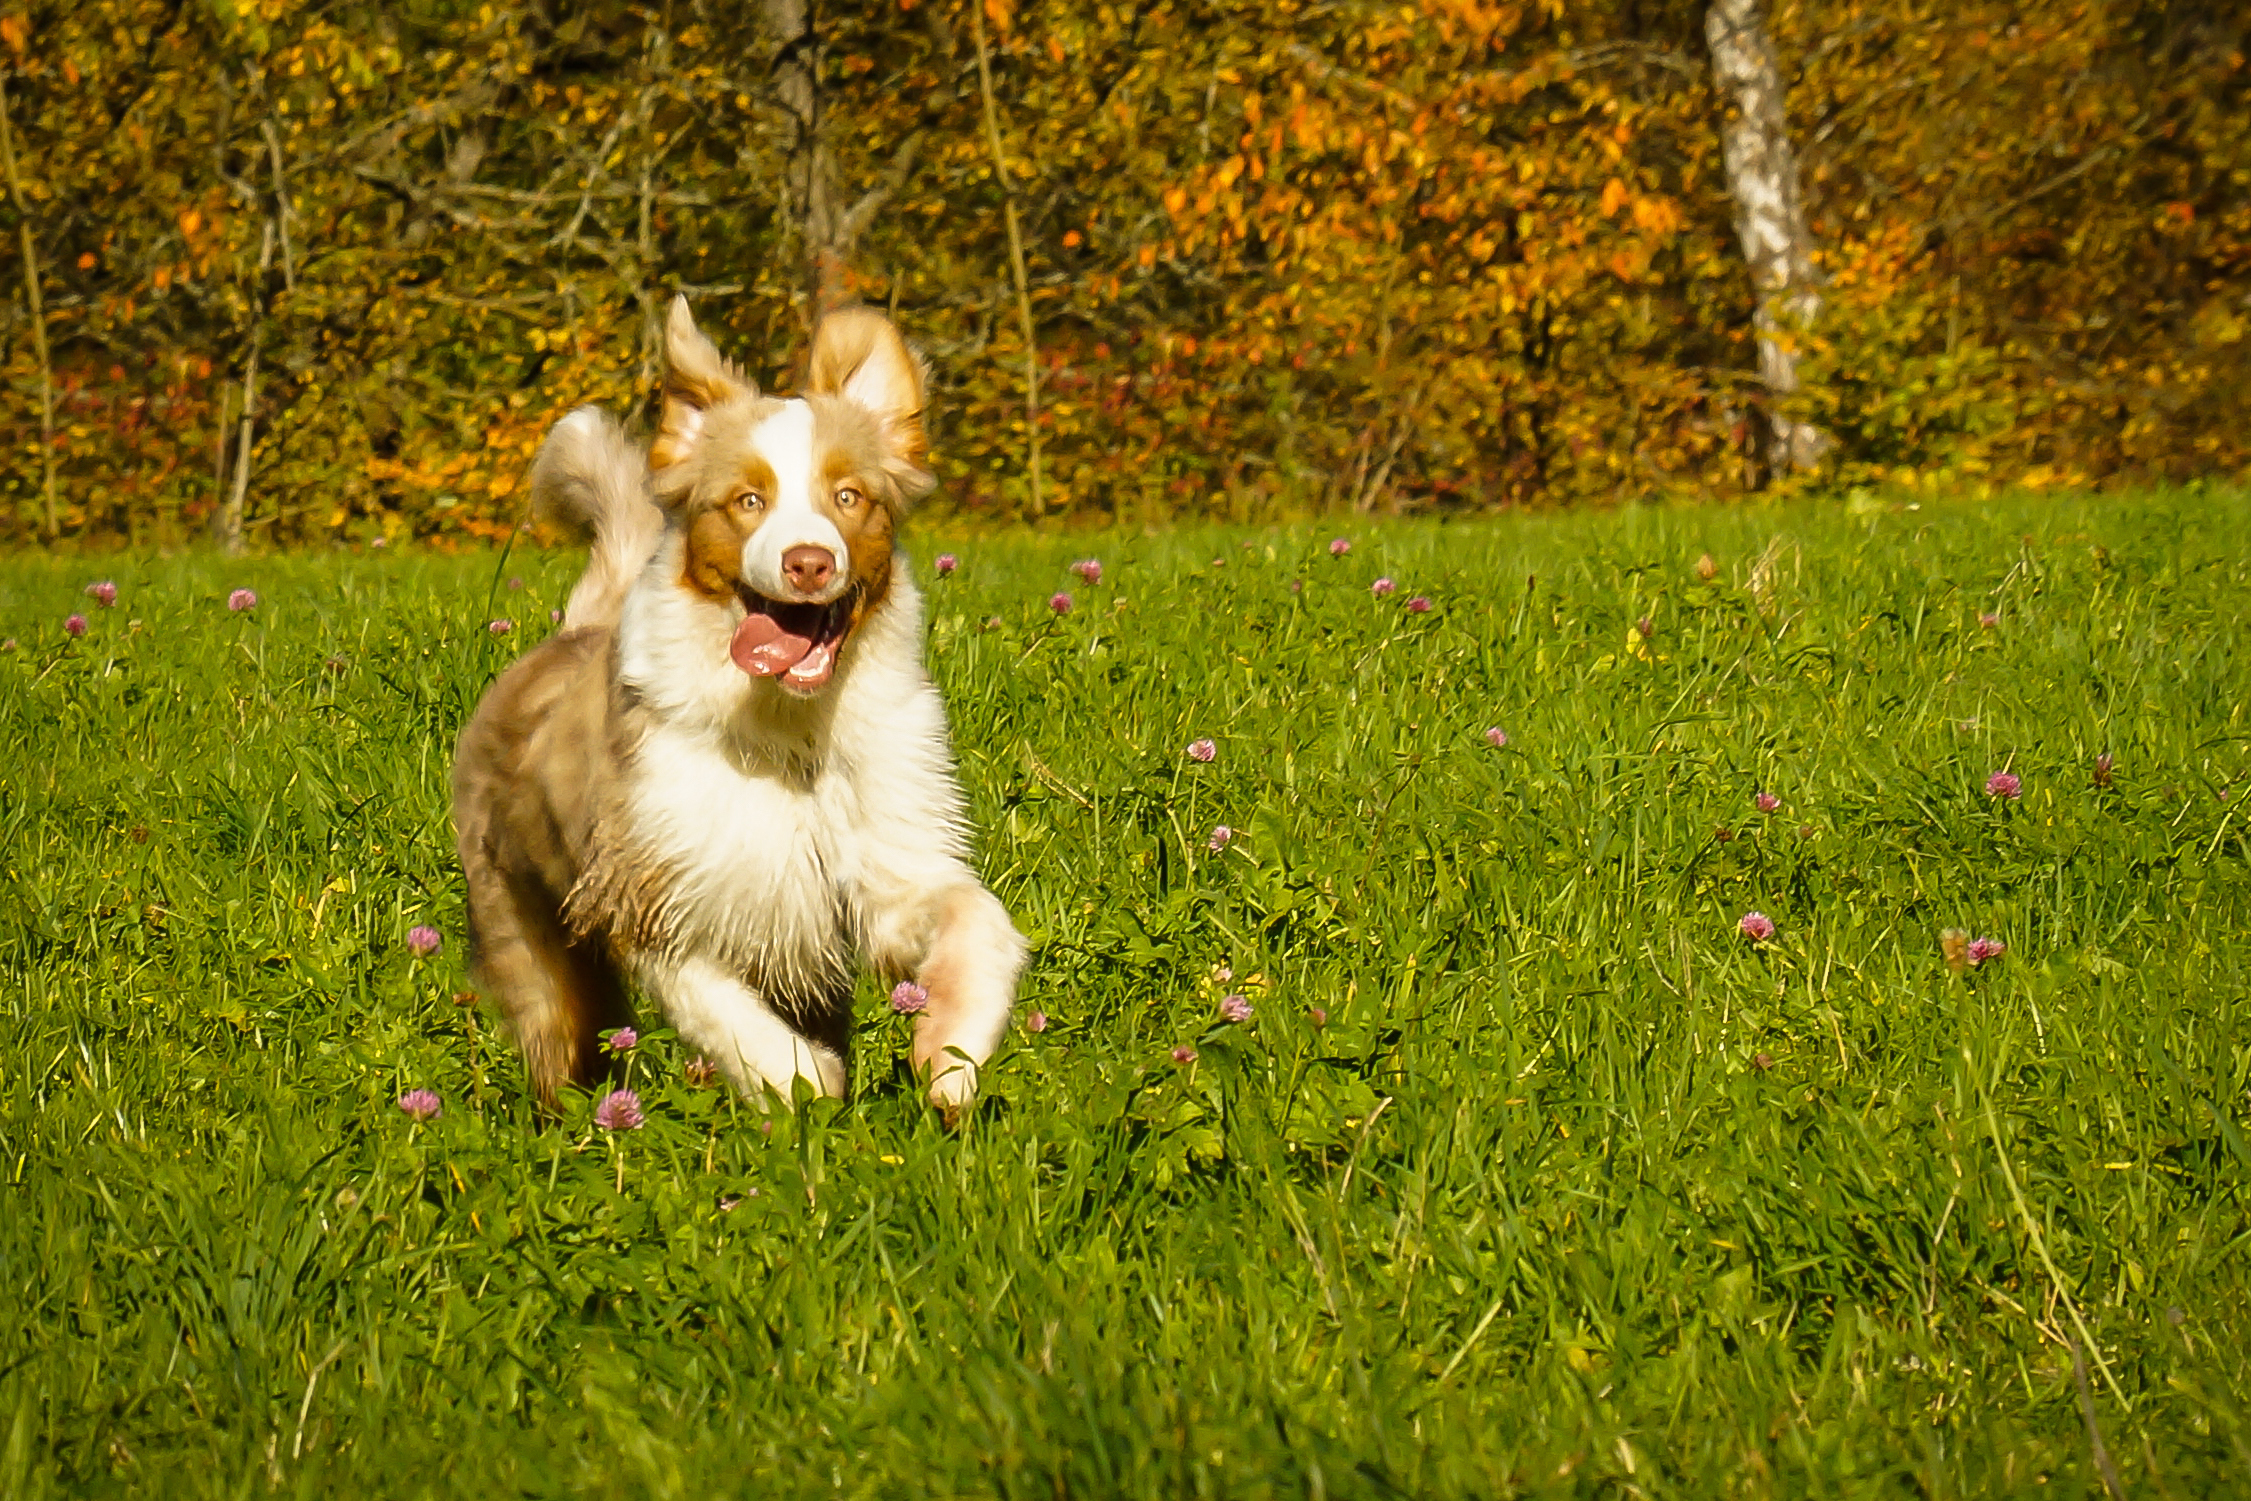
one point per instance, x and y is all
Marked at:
(757, 862)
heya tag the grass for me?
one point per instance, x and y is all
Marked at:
(1574, 1191)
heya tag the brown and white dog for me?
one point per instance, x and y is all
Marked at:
(727, 781)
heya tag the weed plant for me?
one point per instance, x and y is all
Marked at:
(1529, 1169)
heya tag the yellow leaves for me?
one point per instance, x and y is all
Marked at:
(15, 33)
(1614, 196)
(1055, 49)
(1000, 13)
(1175, 199)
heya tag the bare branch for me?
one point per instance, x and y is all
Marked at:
(894, 179)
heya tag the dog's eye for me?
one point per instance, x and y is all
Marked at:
(750, 500)
(848, 497)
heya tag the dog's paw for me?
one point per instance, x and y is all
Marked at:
(954, 1089)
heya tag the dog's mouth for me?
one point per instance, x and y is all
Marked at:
(796, 643)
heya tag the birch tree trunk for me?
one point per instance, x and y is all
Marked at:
(1762, 175)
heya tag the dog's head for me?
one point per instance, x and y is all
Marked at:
(788, 509)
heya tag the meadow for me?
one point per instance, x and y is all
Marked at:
(1530, 1172)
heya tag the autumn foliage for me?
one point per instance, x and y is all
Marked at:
(1280, 255)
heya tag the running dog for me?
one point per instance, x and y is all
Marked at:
(727, 781)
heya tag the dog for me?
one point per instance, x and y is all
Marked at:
(727, 781)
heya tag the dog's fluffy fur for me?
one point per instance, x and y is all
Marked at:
(729, 813)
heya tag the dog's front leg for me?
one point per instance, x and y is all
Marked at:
(955, 938)
(733, 1025)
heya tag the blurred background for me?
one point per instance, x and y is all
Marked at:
(290, 273)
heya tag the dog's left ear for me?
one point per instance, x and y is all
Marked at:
(859, 356)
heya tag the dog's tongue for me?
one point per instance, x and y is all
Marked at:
(763, 649)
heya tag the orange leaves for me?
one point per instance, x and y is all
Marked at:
(1498, 228)
(1656, 216)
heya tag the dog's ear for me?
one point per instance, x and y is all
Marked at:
(860, 357)
(696, 379)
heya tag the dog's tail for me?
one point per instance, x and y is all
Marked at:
(589, 474)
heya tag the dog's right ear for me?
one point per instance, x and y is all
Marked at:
(696, 379)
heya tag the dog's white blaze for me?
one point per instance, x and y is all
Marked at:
(740, 1032)
(785, 442)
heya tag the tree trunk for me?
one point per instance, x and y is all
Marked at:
(810, 178)
(38, 309)
(826, 229)
(226, 526)
(1762, 174)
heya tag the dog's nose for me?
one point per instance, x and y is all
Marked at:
(808, 568)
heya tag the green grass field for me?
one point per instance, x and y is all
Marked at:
(1530, 1175)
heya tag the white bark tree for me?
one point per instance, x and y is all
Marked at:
(1762, 175)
